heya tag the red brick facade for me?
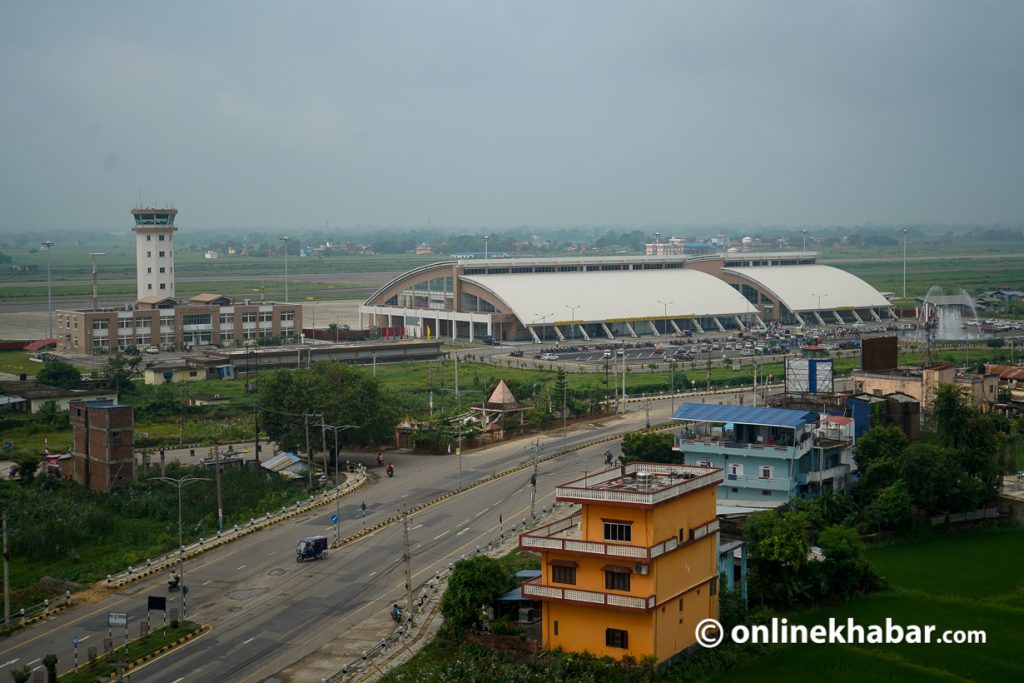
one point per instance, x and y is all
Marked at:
(104, 443)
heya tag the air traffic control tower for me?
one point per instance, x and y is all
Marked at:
(154, 251)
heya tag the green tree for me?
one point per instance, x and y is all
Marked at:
(50, 662)
(21, 675)
(778, 557)
(121, 370)
(846, 569)
(891, 509)
(649, 447)
(881, 443)
(344, 394)
(57, 373)
(474, 583)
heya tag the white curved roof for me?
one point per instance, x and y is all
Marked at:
(612, 295)
(798, 287)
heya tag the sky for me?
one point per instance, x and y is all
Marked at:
(491, 113)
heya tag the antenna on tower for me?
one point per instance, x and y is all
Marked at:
(140, 198)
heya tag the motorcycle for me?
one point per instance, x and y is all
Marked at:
(391, 470)
(380, 458)
(172, 584)
(396, 614)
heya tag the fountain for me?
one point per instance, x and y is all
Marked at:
(946, 317)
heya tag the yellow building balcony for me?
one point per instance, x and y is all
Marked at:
(539, 591)
(565, 535)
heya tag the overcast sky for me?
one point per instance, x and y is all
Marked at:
(490, 113)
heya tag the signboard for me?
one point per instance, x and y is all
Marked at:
(809, 376)
(158, 603)
(334, 519)
(117, 619)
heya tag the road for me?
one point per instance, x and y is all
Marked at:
(267, 611)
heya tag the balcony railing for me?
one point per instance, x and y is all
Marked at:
(535, 589)
(740, 448)
(602, 486)
(544, 538)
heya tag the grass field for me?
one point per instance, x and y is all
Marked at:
(16, 362)
(971, 580)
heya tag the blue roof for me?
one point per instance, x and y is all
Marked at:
(767, 417)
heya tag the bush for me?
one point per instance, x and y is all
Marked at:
(474, 582)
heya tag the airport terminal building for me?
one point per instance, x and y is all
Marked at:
(589, 298)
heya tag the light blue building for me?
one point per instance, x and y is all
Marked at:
(768, 455)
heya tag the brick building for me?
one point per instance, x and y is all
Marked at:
(104, 443)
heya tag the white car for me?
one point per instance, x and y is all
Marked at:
(549, 356)
(152, 349)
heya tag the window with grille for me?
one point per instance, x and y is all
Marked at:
(616, 580)
(614, 637)
(618, 531)
(561, 574)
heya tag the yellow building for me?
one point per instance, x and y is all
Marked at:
(635, 569)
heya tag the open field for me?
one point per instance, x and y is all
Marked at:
(970, 580)
(16, 362)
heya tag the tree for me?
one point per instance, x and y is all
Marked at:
(891, 509)
(25, 468)
(846, 569)
(778, 556)
(474, 583)
(342, 393)
(21, 675)
(880, 443)
(50, 662)
(121, 370)
(57, 373)
(649, 447)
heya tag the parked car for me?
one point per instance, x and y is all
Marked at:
(152, 349)
(548, 356)
(607, 353)
(131, 351)
(516, 353)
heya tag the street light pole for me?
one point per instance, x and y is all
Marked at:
(804, 231)
(285, 238)
(180, 483)
(573, 321)
(49, 287)
(337, 479)
(904, 263)
(665, 311)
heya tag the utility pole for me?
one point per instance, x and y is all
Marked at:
(216, 476)
(458, 416)
(7, 577)
(623, 411)
(181, 412)
(533, 478)
(309, 459)
(407, 556)
(672, 392)
(565, 388)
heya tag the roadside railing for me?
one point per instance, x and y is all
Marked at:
(169, 559)
(34, 613)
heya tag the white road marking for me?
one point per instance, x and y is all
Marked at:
(83, 638)
(479, 513)
(12, 662)
(273, 553)
(206, 582)
(249, 641)
(178, 680)
(373, 574)
(465, 521)
(37, 667)
(240, 568)
(463, 531)
(329, 527)
(415, 527)
(440, 535)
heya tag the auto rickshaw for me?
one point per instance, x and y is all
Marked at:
(311, 548)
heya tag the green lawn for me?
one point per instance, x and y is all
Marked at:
(16, 362)
(970, 580)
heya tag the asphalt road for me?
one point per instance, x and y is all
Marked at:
(269, 611)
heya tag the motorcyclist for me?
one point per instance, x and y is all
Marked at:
(391, 470)
(172, 583)
(380, 458)
(607, 457)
